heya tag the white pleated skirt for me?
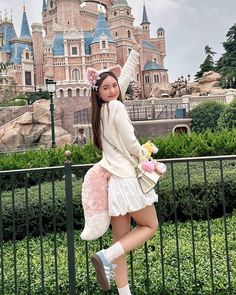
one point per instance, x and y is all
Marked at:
(125, 195)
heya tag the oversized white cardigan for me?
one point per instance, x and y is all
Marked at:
(118, 129)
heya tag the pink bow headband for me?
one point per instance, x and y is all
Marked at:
(93, 75)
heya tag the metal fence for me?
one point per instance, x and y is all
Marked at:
(142, 112)
(41, 252)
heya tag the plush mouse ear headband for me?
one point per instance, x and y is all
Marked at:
(93, 75)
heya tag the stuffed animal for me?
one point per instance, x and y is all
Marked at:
(148, 164)
(149, 148)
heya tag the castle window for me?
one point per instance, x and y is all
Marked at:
(137, 76)
(27, 55)
(115, 13)
(103, 44)
(75, 75)
(127, 12)
(147, 80)
(77, 92)
(28, 79)
(156, 79)
(129, 50)
(129, 34)
(69, 93)
(51, 4)
(164, 78)
(74, 50)
(116, 35)
(61, 93)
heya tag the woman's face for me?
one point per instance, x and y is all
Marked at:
(109, 89)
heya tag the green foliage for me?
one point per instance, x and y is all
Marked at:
(208, 64)
(205, 116)
(32, 97)
(50, 208)
(170, 271)
(226, 65)
(228, 117)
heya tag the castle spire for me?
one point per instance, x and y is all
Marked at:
(44, 6)
(145, 17)
(25, 31)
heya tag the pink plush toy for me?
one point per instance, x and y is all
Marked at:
(147, 165)
(160, 167)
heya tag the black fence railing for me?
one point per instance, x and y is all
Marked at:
(142, 112)
(41, 219)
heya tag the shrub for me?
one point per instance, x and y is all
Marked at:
(205, 116)
(41, 203)
(228, 117)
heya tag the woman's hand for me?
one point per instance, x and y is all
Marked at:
(136, 46)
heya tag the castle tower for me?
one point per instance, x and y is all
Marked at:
(145, 24)
(103, 48)
(121, 26)
(25, 30)
(37, 36)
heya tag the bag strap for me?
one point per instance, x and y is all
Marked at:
(117, 150)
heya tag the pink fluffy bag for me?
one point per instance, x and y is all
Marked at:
(95, 203)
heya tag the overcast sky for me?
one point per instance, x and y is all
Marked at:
(189, 26)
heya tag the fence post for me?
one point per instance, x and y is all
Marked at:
(70, 224)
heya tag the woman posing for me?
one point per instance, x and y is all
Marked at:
(112, 128)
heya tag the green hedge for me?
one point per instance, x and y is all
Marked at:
(203, 286)
(194, 145)
(197, 192)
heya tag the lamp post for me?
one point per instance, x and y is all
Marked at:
(51, 88)
(181, 83)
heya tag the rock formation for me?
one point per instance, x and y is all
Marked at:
(34, 128)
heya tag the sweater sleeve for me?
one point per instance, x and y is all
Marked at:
(126, 130)
(127, 71)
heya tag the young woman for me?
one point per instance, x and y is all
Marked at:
(112, 128)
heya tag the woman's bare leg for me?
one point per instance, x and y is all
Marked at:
(120, 227)
(147, 223)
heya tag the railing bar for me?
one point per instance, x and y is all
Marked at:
(192, 228)
(161, 240)
(147, 267)
(1, 243)
(87, 268)
(225, 226)
(14, 232)
(41, 233)
(132, 271)
(27, 233)
(209, 229)
(176, 228)
(54, 232)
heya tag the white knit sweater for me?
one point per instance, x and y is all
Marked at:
(118, 129)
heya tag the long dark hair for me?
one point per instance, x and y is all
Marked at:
(97, 102)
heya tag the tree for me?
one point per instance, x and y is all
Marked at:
(206, 115)
(226, 65)
(32, 97)
(227, 119)
(208, 64)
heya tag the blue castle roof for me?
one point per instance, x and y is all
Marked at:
(25, 31)
(152, 66)
(148, 45)
(101, 29)
(88, 38)
(120, 3)
(16, 51)
(9, 33)
(58, 44)
(145, 18)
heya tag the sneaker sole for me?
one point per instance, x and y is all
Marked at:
(100, 273)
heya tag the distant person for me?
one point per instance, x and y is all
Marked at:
(81, 139)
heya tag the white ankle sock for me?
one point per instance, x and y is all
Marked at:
(114, 251)
(124, 290)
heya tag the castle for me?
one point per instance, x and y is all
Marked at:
(77, 34)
